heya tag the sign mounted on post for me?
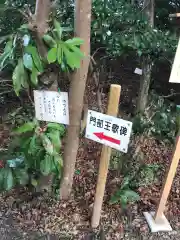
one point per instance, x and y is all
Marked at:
(175, 73)
(51, 106)
(108, 130)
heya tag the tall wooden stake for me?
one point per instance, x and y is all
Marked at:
(169, 180)
(113, 106)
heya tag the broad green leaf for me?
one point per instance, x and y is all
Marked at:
(49, 40)
(34, 76)
(58, 29)
(131, 195)
(32, 145)
(27, 60)
(52, 55)
(18, 76)
(114, 199)
(9, 46)
(125, 182)
(75, 41)
(47, 144)
(77, 51)
(46, 165)
(8, 179)
(54, 136)
(35, 56)
(27, 127)
(59, 54)
(58, 161)
(58, 127)
(71, 58)
(24, 79)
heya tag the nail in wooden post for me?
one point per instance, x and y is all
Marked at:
(113, 106)
(168, 182)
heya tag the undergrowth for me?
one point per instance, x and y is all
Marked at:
(160, 120)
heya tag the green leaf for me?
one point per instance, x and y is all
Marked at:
(32, 146)
(125, 182)
(75, 41)
(58, 29)
(58, 162)
(46, 165)
(71, 58)
(52, 55)
(114, 199)
(56, 126)
(19, 76)
(77, 51)
(55, 139)
(59, 54)
(27, 60)
(27, 127)
(8, 179)
(131, 195)
(35, 56)
(9, 46)
(47, 144)
(34, 76)
(49, 40)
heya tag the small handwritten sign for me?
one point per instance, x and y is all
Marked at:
(51, 106)
(108, 130)
(138, 71)
(175, 73)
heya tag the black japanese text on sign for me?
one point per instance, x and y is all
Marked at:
(110, 131)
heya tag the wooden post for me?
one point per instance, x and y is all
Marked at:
(113, 106)
(168, 182)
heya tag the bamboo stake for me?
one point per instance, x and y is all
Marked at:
(169, 180)
(113, 106)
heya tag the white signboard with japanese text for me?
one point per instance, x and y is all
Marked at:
(175, 72)
(108, 130)
(51, 106)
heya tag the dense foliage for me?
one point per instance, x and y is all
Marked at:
(121, 27)
(35, 151)
(38, 144)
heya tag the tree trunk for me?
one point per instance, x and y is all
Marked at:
(76, 94)
(41, 16)
(147, 64)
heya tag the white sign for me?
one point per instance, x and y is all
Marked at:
(107, 130)
(175, 72)
(51, 106)
(138, 71)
